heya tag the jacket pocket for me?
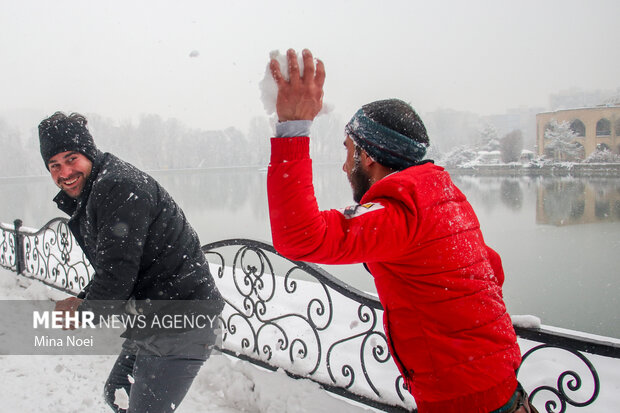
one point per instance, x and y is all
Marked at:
(409, 342)
(406, 373)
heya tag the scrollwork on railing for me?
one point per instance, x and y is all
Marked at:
(570, 385)
(295, 316)
(8, 255)
(53, 256)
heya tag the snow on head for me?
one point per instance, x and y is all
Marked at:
(269, 89)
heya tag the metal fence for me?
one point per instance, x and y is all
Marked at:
(294, 316)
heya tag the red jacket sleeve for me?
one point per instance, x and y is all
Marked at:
(496, 264)
(375, 231)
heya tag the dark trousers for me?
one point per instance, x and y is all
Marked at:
(153, 375)
(518, 403)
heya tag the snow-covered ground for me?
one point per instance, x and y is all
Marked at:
(75, 383)
(227, 385)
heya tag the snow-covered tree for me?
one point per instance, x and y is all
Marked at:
(488, 138)
(602, 155)
(560, 142)
(458, 156)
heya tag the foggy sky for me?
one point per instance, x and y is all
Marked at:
(201, 61)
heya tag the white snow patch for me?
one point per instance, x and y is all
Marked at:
(121, 399)
(525, 321)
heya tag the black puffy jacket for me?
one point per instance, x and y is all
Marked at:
(137, 238)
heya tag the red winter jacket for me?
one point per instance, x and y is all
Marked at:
(440, 285)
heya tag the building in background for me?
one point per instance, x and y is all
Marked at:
(593, 127)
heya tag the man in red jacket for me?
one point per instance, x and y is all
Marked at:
(439, 283)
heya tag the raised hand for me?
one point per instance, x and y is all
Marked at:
(300, 97)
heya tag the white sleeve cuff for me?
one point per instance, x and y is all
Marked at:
(292, 128)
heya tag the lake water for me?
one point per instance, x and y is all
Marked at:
(559, 238)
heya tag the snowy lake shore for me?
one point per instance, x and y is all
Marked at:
(582, 170)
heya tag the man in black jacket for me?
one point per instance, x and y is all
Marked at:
(144, 252)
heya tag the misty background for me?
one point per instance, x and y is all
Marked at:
(169, 85)
(153, 142)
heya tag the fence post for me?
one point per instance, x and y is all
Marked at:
(19, 247)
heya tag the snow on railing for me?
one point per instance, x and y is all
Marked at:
(294, 316)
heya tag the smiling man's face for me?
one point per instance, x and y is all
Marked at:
(70, 171)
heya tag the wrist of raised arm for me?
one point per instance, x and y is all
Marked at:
(293, 128)
(290, 149)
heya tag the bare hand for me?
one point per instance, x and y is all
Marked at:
(69, 306)
(301, 97)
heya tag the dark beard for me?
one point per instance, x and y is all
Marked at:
(360, 181)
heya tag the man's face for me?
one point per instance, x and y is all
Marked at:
(70, 170)
(354, 168)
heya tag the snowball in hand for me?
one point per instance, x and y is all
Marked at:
(269, 89)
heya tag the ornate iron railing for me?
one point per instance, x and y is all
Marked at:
(50, 255)
(295, 316)
(9, 254)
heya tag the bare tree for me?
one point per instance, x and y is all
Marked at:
(511, 146)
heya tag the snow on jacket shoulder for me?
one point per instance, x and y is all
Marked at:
(439, 284)
(136, 237)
